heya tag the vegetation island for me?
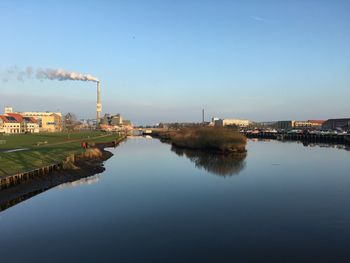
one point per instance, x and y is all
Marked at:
(214, 139)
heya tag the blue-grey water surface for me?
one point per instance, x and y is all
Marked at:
(283, 202)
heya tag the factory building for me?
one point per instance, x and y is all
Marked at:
(285, 125)
(292, 124)
(232, 122)
(116, 120)
(337, 124)
(316, 123)
(114, 123)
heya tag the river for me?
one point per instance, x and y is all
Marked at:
(282, 202)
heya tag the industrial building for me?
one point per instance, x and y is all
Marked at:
(336, 124)
(232, 122)
(114, 123)
(285, 125)
(316, 123)
(292, 124)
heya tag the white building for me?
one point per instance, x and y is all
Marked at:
(232, 122)
(39, 114)
(8, 110)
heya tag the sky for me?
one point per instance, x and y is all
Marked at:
(164, 61)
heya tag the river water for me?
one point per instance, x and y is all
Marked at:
(283, 202)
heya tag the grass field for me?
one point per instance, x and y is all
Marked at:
(43, 149)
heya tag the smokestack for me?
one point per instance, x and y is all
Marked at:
(98, 104)
(203, 116)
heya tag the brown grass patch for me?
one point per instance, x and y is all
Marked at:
(215, 139)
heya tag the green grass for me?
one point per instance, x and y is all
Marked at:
(30, 140)
(57, 148)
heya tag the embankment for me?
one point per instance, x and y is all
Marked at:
(19, 187)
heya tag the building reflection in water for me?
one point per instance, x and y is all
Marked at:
(216, 163)
(83, 181)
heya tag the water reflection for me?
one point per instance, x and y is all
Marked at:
(216, 163)
(15, 195)
(327, 145)
(345, 147)
(83, 181)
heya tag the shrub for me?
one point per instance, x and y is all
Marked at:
(216, 139)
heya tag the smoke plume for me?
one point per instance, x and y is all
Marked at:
(61, 74)
(41, 74)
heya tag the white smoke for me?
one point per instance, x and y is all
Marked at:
(61, 74)
(19, 74)
(52, 74)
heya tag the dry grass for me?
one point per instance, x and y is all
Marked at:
(215, 139)
(92, 153)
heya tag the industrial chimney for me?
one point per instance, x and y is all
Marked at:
(98, 104)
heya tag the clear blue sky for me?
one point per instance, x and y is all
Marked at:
(166, 60)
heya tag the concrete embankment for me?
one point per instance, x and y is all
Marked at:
(81, 165)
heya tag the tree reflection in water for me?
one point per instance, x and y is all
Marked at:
(216, 163)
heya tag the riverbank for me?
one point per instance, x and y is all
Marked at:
(74, 168)
(20, 153)
(79, 156)
(83, 168)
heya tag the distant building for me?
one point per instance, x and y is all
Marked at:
(51, 123)
(9, 124)
(292, 124)
(114, 123)
(18, 119)
(302, 124)
(336, 123)
(31, 125)
(316, 123)
(285, 125)
(16, 123)
(8, 110)
(213, 120)
(232, 122)
(116, 120)
(48, 121)
(105, 120)
(265, 124)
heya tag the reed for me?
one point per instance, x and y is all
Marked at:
(209, 138)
